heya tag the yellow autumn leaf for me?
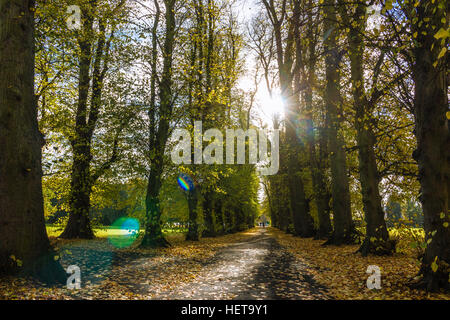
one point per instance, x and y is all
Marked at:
(434, 266)
(441, 54)
(442, 34)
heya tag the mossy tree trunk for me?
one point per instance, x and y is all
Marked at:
(153, 236)
(343, 232)
(24, 245)
(317, 171)
(193, 206)
(377, 236)
(432, 130)
(209, 209)
(299, 209)
(82, 179)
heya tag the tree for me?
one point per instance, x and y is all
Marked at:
(24, 245)
(377, 236)
(153, 234)
(414, 214)
(429, 30)
(90, 85)
(343, 228)
(317, 154)
(393, 212)
(302, 220)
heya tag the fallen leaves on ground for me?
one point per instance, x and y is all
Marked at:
(135, 273)
(344, 272)
(131, 273)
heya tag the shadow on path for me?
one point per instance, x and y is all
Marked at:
(258, 268)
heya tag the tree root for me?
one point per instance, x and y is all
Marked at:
(351, 238)
(320, 235)
(379, 248)
(46, 269)
(154, 242)
(431, 281)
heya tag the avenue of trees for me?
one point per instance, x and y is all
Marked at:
(365, 103)
(87, 112)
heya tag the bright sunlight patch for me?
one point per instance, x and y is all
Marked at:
(125, 232)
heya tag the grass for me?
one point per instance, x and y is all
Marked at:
(103, 232)
(106, 231)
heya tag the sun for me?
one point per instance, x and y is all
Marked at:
(267, 105)
(270, 105)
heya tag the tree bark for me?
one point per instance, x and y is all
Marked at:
(344, 230)
(302, 220)
(82, 180)
(193, 232)
(78, 225)
(377, 236)
(24, 245)
(153, 236)
(323, 188)
(317, 171)
(433, 145)
(210, 215)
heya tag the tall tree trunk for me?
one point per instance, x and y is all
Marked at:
(24, 245)
(210, 46)
(342, 217)
(153, 236)
(302, 220)
(197, 110)
(433, 144)
(319, 186)
(193, 232)
(317, 172)
(82, 179)
(323, 187)
(377, 236)
(210, 215)
(78, 225)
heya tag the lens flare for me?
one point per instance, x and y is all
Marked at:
(185, 182)
(123, 232)
(300, 127)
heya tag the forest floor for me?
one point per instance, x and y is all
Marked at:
(257, 264)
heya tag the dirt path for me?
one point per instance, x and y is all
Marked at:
(258, 268)
(251, 265)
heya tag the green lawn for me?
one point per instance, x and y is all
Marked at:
(105, 232)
